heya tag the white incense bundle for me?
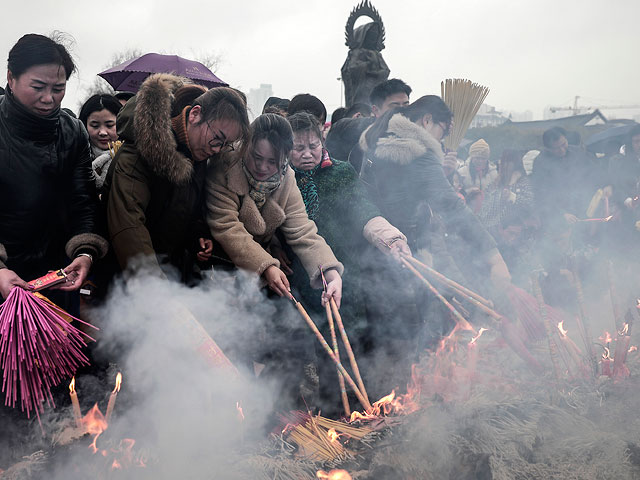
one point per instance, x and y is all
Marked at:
(464, 98)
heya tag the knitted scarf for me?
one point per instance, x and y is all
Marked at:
(260, 189)
(307, 185)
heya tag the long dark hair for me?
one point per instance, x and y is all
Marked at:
(428, 104)
(33, 49)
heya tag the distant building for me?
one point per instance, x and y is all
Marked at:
(257, 97)
(488, 116)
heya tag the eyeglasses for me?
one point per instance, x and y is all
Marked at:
(446, 127)
(220, 142)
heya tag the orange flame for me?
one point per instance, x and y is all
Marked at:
(94, 424)
(607, 354)
(480, 332)
(240, 412)
(115, 465)
(333, 435)
(72, 385)
(118, 382)
(333, 475)
(608, 218)
(625, 330)
(562, 331)
(359, 416)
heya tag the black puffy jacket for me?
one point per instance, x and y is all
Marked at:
(48, 202)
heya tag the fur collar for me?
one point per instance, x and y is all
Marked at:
(155, 140)
(404, 142)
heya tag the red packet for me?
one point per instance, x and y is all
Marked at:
(49, 280)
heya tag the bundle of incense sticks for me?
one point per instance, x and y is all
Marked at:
(464, 98)
(38, 349)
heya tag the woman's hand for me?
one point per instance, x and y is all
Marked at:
(570, 218)
(8, 280)
(281, 255)
(334, 287)
(277, 281)
(77, 273)
(399, 248)
(206, 247)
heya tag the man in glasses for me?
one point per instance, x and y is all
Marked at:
(156, 181)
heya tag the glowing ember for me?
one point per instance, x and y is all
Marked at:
(115, 465)
(94, 424)
(562, 331)
(605, 338)
(632, 348)
(241, 413)
(624, 330)
(608, 218)
(333, 475)
(480, 332)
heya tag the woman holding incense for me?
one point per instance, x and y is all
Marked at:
(48, 201)
(250, 194)
(406, 177)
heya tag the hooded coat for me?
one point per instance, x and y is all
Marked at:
(406, 179)
(245, 231)
(48, 201)
(155, 189)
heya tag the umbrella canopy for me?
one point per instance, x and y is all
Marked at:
(128, 76)
(609, 139)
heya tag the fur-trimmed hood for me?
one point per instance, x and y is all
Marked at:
(403, 142)
(146, 121)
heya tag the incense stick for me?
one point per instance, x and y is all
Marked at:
(542, 306)
(347, 345)
(460, 320)
(336, 351)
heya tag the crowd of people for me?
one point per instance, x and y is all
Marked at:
(297, 202)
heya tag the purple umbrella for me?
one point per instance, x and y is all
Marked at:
(128, 76)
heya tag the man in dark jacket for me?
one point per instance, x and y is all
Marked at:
(563, 181)
(342, 141)
(156, 182)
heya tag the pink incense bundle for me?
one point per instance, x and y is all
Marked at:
(38, 349)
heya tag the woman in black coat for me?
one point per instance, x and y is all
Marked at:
(48, 202)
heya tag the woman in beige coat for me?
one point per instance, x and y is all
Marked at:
(251, 194)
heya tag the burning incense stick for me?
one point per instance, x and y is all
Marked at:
(347, 346)
(460, 320)
(77, 414)
(365, 403)
(596, 220)
(336, 351)
(112, 397)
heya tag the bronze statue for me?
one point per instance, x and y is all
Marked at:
(364, 67)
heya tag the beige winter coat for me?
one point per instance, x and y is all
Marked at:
(245, 232)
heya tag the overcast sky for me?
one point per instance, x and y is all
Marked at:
(530, 53)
